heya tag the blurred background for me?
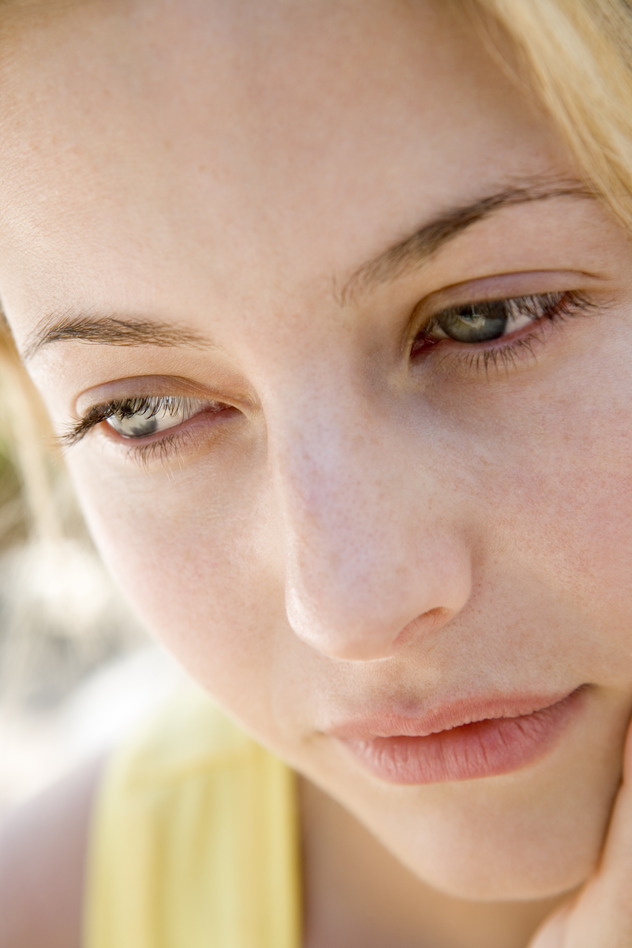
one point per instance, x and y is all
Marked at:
(75, 669)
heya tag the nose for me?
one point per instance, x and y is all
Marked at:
(374, 555)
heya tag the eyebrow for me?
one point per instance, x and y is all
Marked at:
(387, 266)
(427, 240)
(112, 331)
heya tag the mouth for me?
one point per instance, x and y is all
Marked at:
(462, 740)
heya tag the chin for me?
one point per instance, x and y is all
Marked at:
(484, 874)
(523, 852)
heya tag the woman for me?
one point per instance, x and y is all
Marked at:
(330, 306)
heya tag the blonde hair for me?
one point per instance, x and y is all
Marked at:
(576, 56)
(26, 447)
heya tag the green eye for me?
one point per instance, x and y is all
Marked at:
(143, 417)
(477, 322)
(482, 322)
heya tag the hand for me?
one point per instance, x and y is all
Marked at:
(600, 914)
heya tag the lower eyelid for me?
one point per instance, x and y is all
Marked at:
(166, 447)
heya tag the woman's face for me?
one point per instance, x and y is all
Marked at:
(365, 497)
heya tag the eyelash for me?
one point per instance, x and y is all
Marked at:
(546, 308)
(543, 308)
(148, 406)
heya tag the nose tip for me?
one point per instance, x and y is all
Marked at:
(376, 639)
(359, 639)
(350, 617)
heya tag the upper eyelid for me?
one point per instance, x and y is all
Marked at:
(497, 287)
(147, 386)
(522, 297)
(434, 319)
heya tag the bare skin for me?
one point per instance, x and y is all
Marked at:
(350, 511)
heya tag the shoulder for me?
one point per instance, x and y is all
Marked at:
(43, 848)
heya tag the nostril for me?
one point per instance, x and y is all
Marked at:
(366, 639)
(428, 622)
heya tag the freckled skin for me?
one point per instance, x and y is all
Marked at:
(362, 528)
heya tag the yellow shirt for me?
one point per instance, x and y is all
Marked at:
(194, 840)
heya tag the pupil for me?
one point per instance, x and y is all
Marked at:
(135, 426)
(141, 427)
(477, 323)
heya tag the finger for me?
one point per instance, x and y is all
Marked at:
(600, 914)
(617, 854)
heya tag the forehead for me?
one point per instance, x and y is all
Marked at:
(240, 139)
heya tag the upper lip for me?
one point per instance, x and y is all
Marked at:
(442, 716)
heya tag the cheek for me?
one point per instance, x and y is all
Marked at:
(190, 561)
(582, 500)
(537, 470)
(559, 532)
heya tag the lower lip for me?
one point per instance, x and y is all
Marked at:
(482, 749)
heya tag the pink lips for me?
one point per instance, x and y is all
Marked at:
(459, 741)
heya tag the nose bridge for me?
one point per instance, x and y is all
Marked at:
(359, 567)
(330, 480)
